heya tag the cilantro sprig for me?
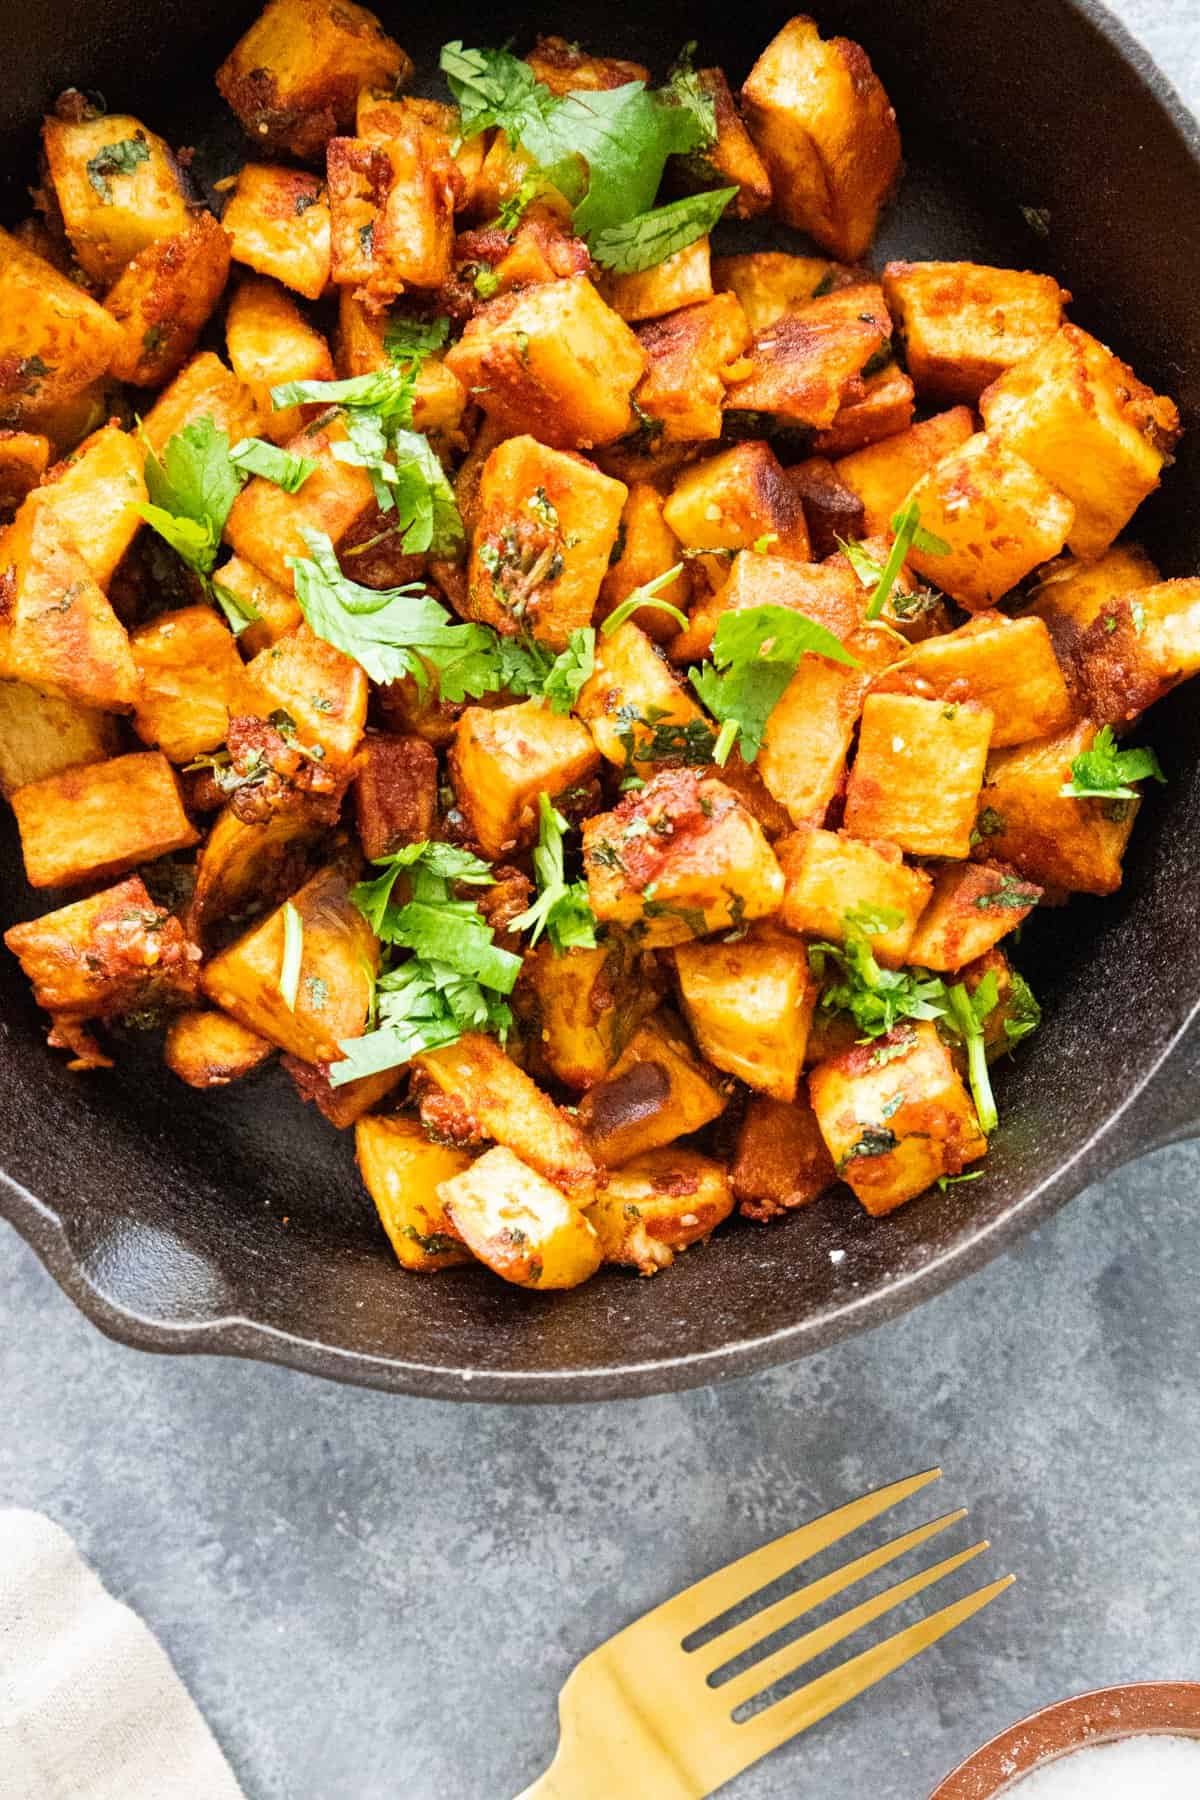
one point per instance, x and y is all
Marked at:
(255, 456)
(876, 998)
(755, 653)
(967, 1013)
(646, 595)
(562, 909)
(909, 532)
(1106, 773)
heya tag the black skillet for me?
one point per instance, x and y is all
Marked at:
(1037, 134)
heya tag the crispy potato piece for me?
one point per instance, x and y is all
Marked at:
(830, 876)
(402, 1171)
(338, 957)
(209, 1049)
(732, 160)
(770, 283)
(293, 79)
(41, 735)
(1071, 595)
(277, 608)
(243, 866)
(646, 548)
(883, 408)
(750, 1005)
(439, 398)
(1139, 648)
(964, 324)
(997, 513)
(57, 629)
(265, 521)
(55, 341)
(565, 68)
(918, 772)
(521, 1226)
(1009, 666)
(883, 474)
(738, 499)
(814, 358)
(639, 714)
(781, 1161)
(100, 819)
(553, 361)
(661, 1202)
(346, 1104)
(679, 859)
(827, 133)
(1026, 820)
(117, 189)
(656, 1091)
(191, 681)
(833, 597)
(381, 115)
(391, 210)
(23, 459)
(895, 1115)
(395, 792)
(322, 690)
(682, 279)
(271, 342)
(834, 512)
(973, 905)
(584, 1006)
(163, 299)
(277, 221)
(95, 495)
(503, 758)
(202, 386)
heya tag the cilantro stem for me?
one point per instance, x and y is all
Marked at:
(293, 951)
(726, 738)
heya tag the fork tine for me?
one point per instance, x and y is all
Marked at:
(716, 1593)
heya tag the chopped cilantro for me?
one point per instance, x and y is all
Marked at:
(755, 654)
(254, 456)
(562, 909)
(966, 1013)
(646, 241)
(1013, 894)
(876, 998)
(646, 595)
(1105, 773)
(876, 1140)
(906, 524)
(121, 158)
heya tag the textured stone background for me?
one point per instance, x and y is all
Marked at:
(377, 1599)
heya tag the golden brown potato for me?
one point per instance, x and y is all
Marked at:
(884, 407)
(639, 714)
(832, 510)
(271, 342)
(830, 875)
(277, 222)
(918, 772)
(732, 160)
(243, 865)
(810, 731)
(203, 386)
(656, 1091)
(566, 68)
(381, 115)
(41, 735)
(810, 362)
(1008, 666)
(60, 633)
(265, 521)
(117, 189)
(884, 473)
(323, 692)
(646, 548)
(519, 1224)
(781, 1161)
(100, 819)
(973, 905)
(692, 356)
(504, 757)
(345, 1104)
(963, 324)
(163, 299)
(770, 283)
(1140, 647)
(191, 681)
(23, 459)
(1025, 819)
(55, 341)
(395, 792)
(681, 279)
(663, 1201)
(278, 608)
(736, 500)
(402, 1171)
(582, 1007)
(1071, 595)
(208, 1049)
(391, 210)
(749, 1004)
(95, 496)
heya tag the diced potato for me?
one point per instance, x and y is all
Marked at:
(95, 496)
(277, 221)
(732, 160)
(339, 954)
(895, 1116)
(827, 133)
(681, 858)
(492, 1097)
(1026, 820)
(657, 1091)
(813, 358)
(41, 735)
(833, 597)
(973, 905)
(521, 1226)
(243, 866)
(293, 79)
(391, 209)
(439, 398)
(60, 633)
(964, 324)
(832, 510)
(55, 341)
(770, 283)
(191, 681)
(749, 1004)
(1139, 648)
(23, 459)
(646, 548)
(883, 474)
(209, 1049)
(402, 1171)
(345, 1104)
(163, 299)
(565, 68)
(882, 409)
(395, 792)
(100, 819)
(738, 499)
(553, 361)
(637, 711)
(322, 690)
(918, 772)
(503, 758)
(544, 528)
(1008, 666)
(681, 279)
(997, 513)
(203, 386)
(271, 342)
(781, 1161)
(831, 876)
(117, 188)
(278, 608)
(381, 115)
(1071, 595)
(1086, 423)
(265, 521)
(583, 1007)
(661, 1202)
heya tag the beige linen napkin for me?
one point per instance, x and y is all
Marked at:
(90, 1707)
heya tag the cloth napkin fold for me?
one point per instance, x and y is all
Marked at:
(90, 1707)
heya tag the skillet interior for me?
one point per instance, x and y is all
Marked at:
(236, 1222)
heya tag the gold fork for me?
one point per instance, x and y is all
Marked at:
(639, 1718)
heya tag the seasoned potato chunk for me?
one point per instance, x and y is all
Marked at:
(191, 681)
(646, 548)
(661, 1202)
(963, 324)
(738, 499)
(202, 386)
(657, 1091)
(293, 79)
(884, 473)
(503, 758)
(833, 597)
(918, 772)
(973, 905)
(1025, 819)
(565, 68)
(1086, 423)
(781, 1161)
(323, 691)
(770, 283)
(1071, 595)
(827, 132)
(682, 279)
(584, 1006)
(749, 1005)
(883, 408)
(345, 1104)
(60, 632)
(100, 819)
(1008, 666)
(553, 361)
(23, 459)
(895, 1116)
(1140, 647)
(243, 865)
(277, 608)
(403, 1171)
(391, 209)
(40, 735)
(636, 709)
(208, 1049)
(833, 510)
(271, 342)
(117, 188)
(830, 876)
(395, 792)
(54, 341)
(95, 496)
(265, 521)
(811, 361)
(521, 1226)
(163, 299)
(732, 160)
(679, 859)
(997, 513)
(277, 221)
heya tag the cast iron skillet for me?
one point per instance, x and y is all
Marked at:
(1037, 135)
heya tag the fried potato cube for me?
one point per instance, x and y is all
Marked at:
(973, 905)
(60, 633)
(781, 1161)
(438, 398)
(163, 299)
(832, 510)
(1140, 647)
(265, 521)
(323, 691)
(402, 1171)
(203, 386)
(770, 283)
(1086, 423)
(918, 772)
(391, 209)
(208, 1049)
(1000, 517)
(682, 279)
(345, 1104)
(191, 681)
(661, 1202)
(115, 952)
(565, 68)
(339, 954)
(749, 1005)
(1026, 820)
(830, 876)
(395, 792)
(117, 188)
(277, 221)
(545, 525)
(41, 735)
(583, 1007)
(964, 324)
(241, 866)
(738, 499)
(504, 757)
(271, 342)
(827, 133)
(833, 597)
(277, 608)
(814, 358)
(95, 496)
(732, 160)
(54, 340)
(491, 1097)
(293, 79)
(681, 858)
(1071, 595)
(23, 459)
(884, 473)
(553, 361)
(100, 819)
(646, 548)
(521, 1226)
(637, 711)
(895, 1116)
(657, 1091)
(884, 407)
(1006, 665)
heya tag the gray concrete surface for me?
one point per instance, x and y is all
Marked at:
(377, 1599)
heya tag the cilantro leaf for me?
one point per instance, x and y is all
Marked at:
(1022, 1014)
(421, 1006)
(121, 158)
(569, 670)
(493, 87)
(562, 909)
(868, 570)
(755, 653)
(387, 391)
(683, 87)
(424, 499)
(644, 241)
(646, 595)
(965, 1014)
(407, 338)
(254, 456)
(192, 486)
(877, 999)
(445, 862)
(1105, 773)
(906, 524)
(239, 612)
